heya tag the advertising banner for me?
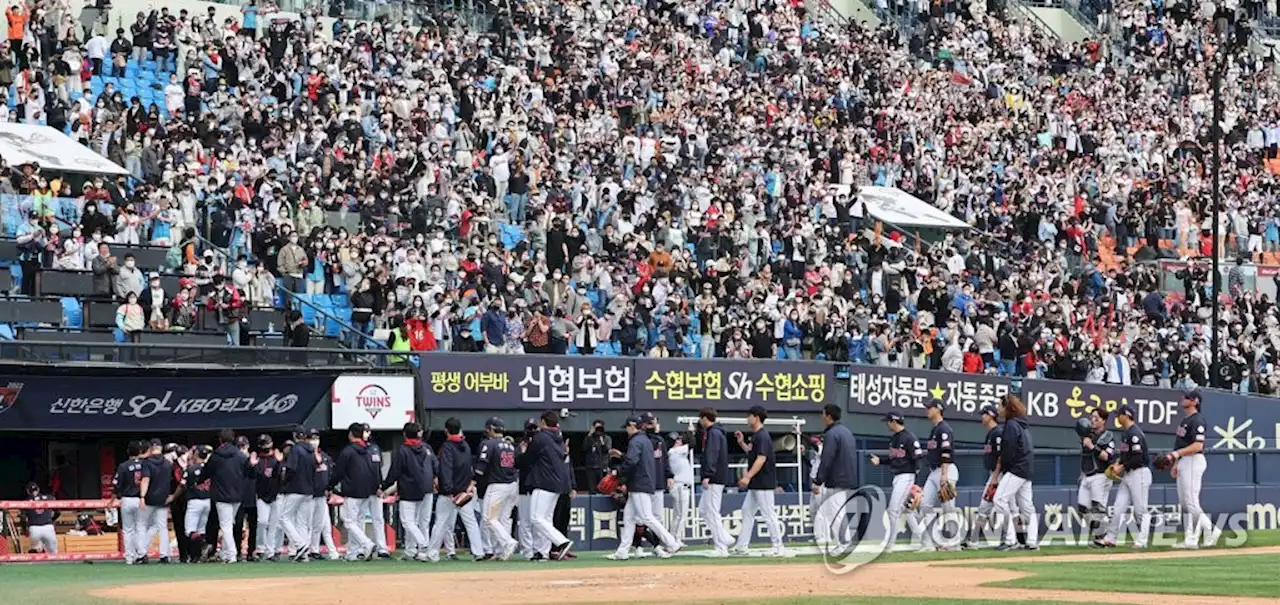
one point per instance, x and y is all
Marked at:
(383, 402)
(132, 403)
(881, 389)
(1244, 422)
(502, 382)
(779, 386)
(1060, 403)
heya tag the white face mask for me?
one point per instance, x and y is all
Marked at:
(129, 264)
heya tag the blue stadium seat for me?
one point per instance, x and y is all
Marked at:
(6, 332)
(72, 313)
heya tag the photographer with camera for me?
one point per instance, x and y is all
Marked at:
(595, 449)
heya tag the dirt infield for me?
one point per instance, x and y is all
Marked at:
(680, 582)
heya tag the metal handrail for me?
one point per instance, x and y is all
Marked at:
(28, 353)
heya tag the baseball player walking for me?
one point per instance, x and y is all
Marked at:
(1133, 467)
(836, 479)
(266, 474)
(229, 470)
(298, 479)
(682, 488)
(760, 481)
(991, 463)
(197, 485)
(524, 520)
(125, 488)
(376, 517)
(714, 470)
(1187, 465)
(321, 513)
(641, 476)
(1097, 451)
(156, 487)
(413, 472)
(180, 456)
(666, 478)
(904, 455)
(40, 522)
(496, 467)
(360, 480)
(1017, 462)
(457, 486)
(938, 450)
(549, 478)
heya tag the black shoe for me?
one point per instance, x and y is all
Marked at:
(558, 553)
(384, 555)
(315, 556)
(272, 558)
(142, 561)
(453, 557)
(482, 558)
(537, 556)
(1004, 547)
(163, 561)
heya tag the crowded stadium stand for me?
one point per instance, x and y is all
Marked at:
(976, 187)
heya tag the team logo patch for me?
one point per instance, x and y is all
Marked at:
(9, 396)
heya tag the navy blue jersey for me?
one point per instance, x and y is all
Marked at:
(1190, 430)
(991, 447)
(128, 479)
(324, 471)
(904, 452)
(496, 462)
(197, 483)
(762, 447)
(1133, 448)
(43, 516)
(159, 473)
(939, 448)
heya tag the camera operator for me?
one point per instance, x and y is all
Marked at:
(595, 449)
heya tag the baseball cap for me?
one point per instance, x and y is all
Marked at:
(1192, 394)
(934, 403)
(171, 448)
(893, 417)
(647, 418)
(1127, 410)
(242, 441)
(155, 441)
(313, 433)
(631, 421)
(990, 410)
(495, 423)
(531, 424)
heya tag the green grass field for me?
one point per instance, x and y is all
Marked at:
(1225, 575)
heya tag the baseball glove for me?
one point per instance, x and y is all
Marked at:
(1162, 463)
(947, 491)
(607, 484)
(989, 494)
(914, 498)
(1113, 474)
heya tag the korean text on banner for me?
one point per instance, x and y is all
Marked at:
(496, 382)
(1062, 402)
(877, 389)
(385, 403)
(103, 403)
(669, 384)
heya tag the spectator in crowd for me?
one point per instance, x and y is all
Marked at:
(131, 319)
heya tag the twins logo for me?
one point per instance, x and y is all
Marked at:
(9, 396)
(373, 399)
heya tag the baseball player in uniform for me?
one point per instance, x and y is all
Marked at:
(544, 454)
(1017, 462)
(40, 522)
(180, 456)
(298, 479)
(714, 470)
(156, 487)
(376, 517)
(760, 481)
(836, 478)
(197, 486)
(457, 483)
(641, 475)
(1187, 465)
(991, 463)
(413, 471)
(938, 450)
(1097, 451)
(1132, 464)
(524, 522)
(321, 514)
(230, 470)
(361, 490)
(125, 489)
(496, 467)
(682, 490)
(266, 474)
(904, 455)
(666, 478)
(472, 517)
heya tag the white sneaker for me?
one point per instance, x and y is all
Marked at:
(613, 556)
(507, 552)
(423, 557)
(781, 553)
(927, 548)
(718, 553)
(642, 554)
(1213, 538)
(662, 553)
(739, 552)
(1185, 546)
